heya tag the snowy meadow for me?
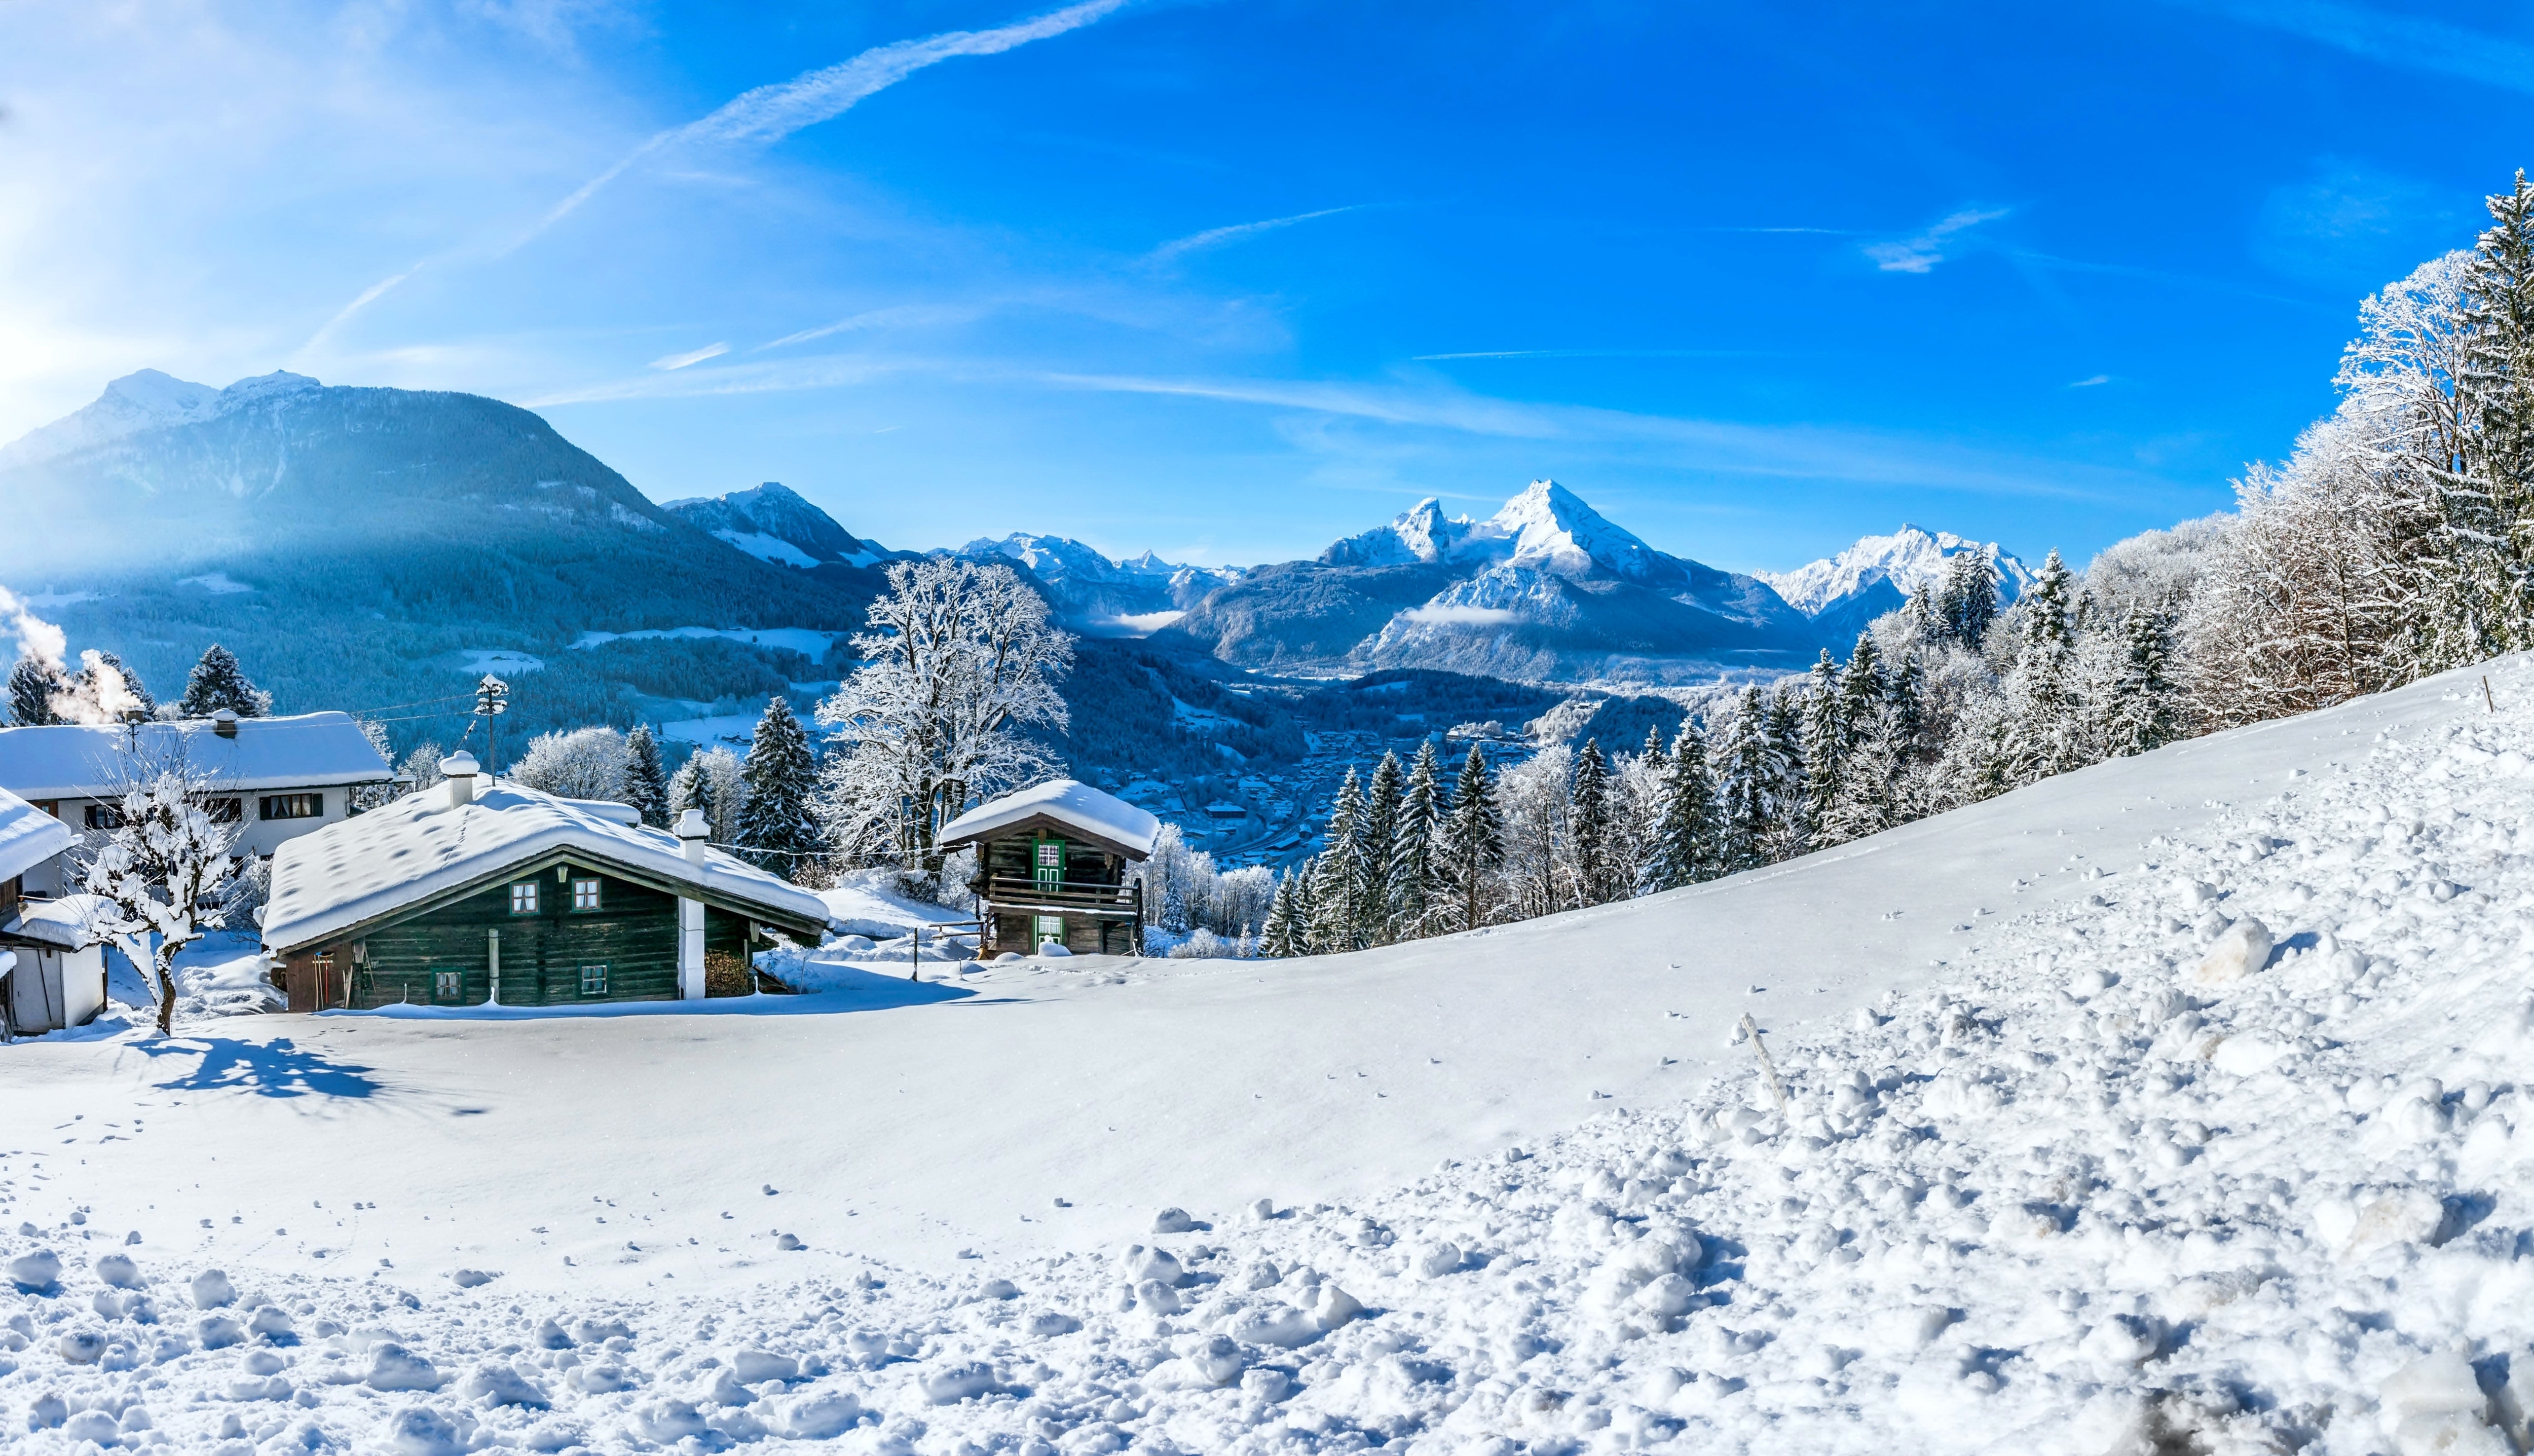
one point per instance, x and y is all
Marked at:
(2171, 1104)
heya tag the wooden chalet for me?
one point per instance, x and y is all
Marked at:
(455, 897)
(1051, 868)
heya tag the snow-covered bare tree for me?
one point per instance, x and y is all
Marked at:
(162, 869)
(1538, 873)
(958, 658)
(574, 764)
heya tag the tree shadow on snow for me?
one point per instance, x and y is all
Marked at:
(275, 1068)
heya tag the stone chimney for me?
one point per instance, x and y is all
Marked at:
(461, 768)
(224, 722)
(693, 831)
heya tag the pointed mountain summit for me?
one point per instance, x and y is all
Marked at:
(1842, 593)
(773, 523)
(1546, 589)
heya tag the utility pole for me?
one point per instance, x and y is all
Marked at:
(492, 700)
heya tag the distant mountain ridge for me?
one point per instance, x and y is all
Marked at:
(1840, 594)
(1544, 589)
(773, 523)
(1131, 597)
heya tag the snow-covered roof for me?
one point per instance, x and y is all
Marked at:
(29, 836)
(64, 922)
(77, 760)
(356, 869)
(1067, 802)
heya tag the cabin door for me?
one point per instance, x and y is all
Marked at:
(1046, 862)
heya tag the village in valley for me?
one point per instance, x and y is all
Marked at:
(1266, 924)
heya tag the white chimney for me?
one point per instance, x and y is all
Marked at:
(461, 768)
(224, 722)
(691, 834)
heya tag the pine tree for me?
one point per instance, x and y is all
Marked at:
(1904, 695)
(1824, 737)
(646, 788)
(2047, 622)
(1867, 801)
(1748, 779)
(1412, 893)
(691, 788)
(1792, 822)
(1861, 685)
(1306, 910)
(2499, 368)
(1653, 752)
(218, 682)
(1473, 840)
(1592, 823)
(1278, 937)
(774, 828)
(2144, 714)
(1380, 836)
(2044, 734)
(1337, 888)
(1967, 602)
(31, 686)
(1686, 846)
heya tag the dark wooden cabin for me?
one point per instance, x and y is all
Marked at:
(1052, 866)
(455, 899)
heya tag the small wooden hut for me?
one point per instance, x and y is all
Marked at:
(1052, 866)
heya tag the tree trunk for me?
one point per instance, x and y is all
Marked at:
(163, 964)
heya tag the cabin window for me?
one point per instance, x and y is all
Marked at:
(224, 810)
(593, 980)
(294, 806)
(1046, 862)
(523, 898)
(584, 894)
(448, 986)
(1046, 928)
(104, 816)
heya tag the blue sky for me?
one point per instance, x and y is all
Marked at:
(1230, 279)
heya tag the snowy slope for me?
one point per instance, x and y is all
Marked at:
(773, 523)
(147, 399)
(1845, 592)
(2048, 1181)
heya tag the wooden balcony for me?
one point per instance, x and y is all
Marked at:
(1057, 898)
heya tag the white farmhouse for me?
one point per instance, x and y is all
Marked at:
(278, 778)
(52, 972)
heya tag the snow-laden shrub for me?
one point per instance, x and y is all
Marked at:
(577, 763)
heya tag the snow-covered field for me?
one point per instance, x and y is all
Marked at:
(2072, 1162)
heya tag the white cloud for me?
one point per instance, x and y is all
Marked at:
(1215, 237)
(693, 357)
(1432, 615)
(2412, 42)
(2088, 383)
(1922, 253)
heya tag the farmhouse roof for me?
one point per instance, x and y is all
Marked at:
(1068, 801)
(421, 847)
(79, 760)
(29, 836)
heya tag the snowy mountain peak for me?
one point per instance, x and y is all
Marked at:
(772, 522)
(1552, 529)
(1878, 574)
(145, 399)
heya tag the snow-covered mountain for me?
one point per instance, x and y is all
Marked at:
(773, 523)
(1127, 598)
(146, 400)
(1841, 594)
(1544, 588)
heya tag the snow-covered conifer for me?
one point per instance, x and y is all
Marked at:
(2143, 711)
(1824, 737)
(1380, 839)
(1593, 821)
(1791, 824)
(218, 682)
(646, 787)
(1413, 882)
(775, 831)
(1278, 937)
(1686, 847)
(1337, 888)
(1748, 783)
(1471, 843)
(31, 686)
